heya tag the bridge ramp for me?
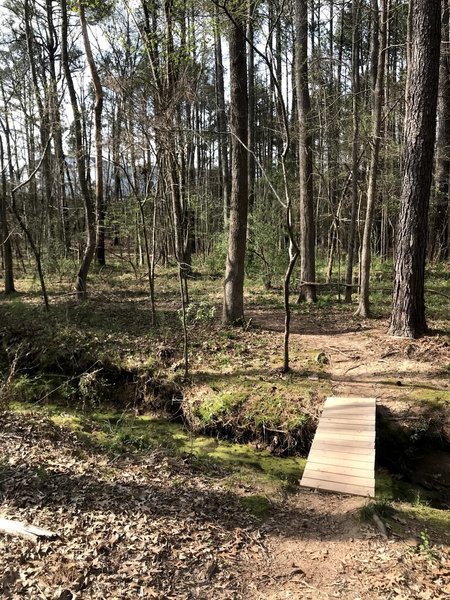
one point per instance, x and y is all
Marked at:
(342, 455)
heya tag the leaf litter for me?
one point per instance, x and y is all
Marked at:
(147, 525)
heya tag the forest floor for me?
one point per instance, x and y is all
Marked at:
(146, 522)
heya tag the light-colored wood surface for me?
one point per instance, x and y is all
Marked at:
(342, 456)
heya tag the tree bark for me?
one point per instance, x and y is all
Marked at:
(88, 255)
(5, 238)
(233, 299)
(307, 221)
(56, 128)
(221, 123)
(408, 305)
(98, 110)
(440, 225)
(355, 148)
(251, 108)
(363, 309)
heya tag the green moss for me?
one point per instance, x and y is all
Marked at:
(257, 505)
(216, 405)
(429, 395)
(382, 508)
(427, 517)
(389, 488)
(27, 388)
(120, 431)
(256, 401)
(70, 421)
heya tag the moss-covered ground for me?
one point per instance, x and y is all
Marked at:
(101, 368)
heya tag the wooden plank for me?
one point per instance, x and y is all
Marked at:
(337, 477)
(352, 424)
(350, 400)
(367, 425)
(349, 416)
(344, 488)
(342, 456)
(352, 419)
(364, 471)
(330, 459)
(335, 440)
(350, 410)
(354, 410)
(339, 402)
(29, 532)
(325, 446)
(367, 421)
(345, 433)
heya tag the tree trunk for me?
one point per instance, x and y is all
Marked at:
(221, 124)
(363, 309)
(56, 127)
(88, 255)
(440, 225)
(307, 221)
(98, 110)
(355, 149)
(408, 305)
(251, 108)
(233, 299)
(5, 238)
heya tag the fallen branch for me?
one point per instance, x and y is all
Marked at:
(381, 526)
(29, 532)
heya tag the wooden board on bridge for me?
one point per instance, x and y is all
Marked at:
(342, 455)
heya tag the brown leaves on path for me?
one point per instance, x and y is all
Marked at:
(147, 525)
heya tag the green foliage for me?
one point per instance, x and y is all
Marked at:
(425, 546)
(96, 10)
(201, 312)
(419, 431)
(28, 388)
(418, 499)
(266, 257)
(92, 389)
(390, 488)
(215, 261)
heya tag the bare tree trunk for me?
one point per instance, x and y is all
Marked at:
(44, 124)
(100, 201)
(355, 148)
(233, 298)
(221, 123)
(26, 230)
(363, 309)
(88, 255)
(307, 221)
(408, 305)
(251, 108)
(5, 239)
(440, 225)
(56, 127)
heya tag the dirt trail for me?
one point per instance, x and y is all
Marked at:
(149, 526)
(362, 359)
(329, 552)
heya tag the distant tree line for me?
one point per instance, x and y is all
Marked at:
(166, 128)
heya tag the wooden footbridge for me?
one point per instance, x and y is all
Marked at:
(342, 456)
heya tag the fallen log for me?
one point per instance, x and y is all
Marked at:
(29, 532)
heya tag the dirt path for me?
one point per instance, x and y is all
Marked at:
(144, 525)
(141, 525)
(362, 359)
(328, 552)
